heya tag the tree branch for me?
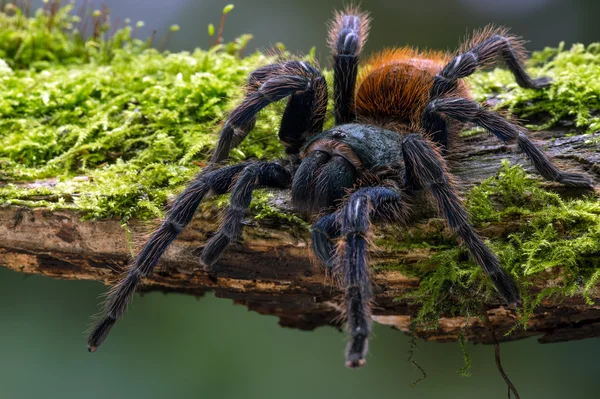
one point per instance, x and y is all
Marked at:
(270, 270)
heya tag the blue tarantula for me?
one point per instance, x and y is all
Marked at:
(393, 123)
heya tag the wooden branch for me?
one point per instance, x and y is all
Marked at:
(270, 270)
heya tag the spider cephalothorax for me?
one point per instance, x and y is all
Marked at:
(393, 122)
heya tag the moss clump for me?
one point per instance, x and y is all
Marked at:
(549, 236)
(137, 125)
(56, 36)
(573, 95)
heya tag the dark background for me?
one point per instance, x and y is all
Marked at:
(173, 346)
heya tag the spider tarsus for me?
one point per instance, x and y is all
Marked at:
(356, 351)
(576, 180)
(506, 287)
(355, 364)
(541, 83)
(100, 333)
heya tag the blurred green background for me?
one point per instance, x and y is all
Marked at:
(173, 346)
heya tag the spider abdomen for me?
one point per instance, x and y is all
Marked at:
(394, 87)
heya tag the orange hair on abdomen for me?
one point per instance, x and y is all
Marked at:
(394, 85)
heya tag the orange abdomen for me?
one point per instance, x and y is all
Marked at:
(393, 88)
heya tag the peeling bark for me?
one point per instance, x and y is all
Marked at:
(270, 270)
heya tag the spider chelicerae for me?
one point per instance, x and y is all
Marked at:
(394, 121)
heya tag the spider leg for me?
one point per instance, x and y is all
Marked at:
(179, 215)
(429, 169)
(466, 110)
(254, 175)
(304, 114)
(355, 219)
(483, 50)
(323, 232)
(347, 34)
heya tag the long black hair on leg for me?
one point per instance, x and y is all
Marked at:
(429, 169)
(179, 215)
(466, 110)
(356, 216)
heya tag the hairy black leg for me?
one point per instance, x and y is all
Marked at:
(323, 232)
(427, 166)
(304, 114)
(484, 49)
(254, 175)
(347, 35)
(355, 219)
(179, 215)
(466, 110)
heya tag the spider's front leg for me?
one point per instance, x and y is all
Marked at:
(353, 224)
(428, 169)
(347, 34)
(304, 114)
(247, 176)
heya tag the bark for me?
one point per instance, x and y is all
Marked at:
(270, 270)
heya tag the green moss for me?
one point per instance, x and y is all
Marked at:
(54, 36)
(136, 125)
(547, 236)
(263, 208)
(573, 95)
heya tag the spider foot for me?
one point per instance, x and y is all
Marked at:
(507, 288)
(357, 351)
(540, 83)
(576, 180)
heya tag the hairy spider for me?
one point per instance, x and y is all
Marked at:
(393, 122)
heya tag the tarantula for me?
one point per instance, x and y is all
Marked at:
(393, 122)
